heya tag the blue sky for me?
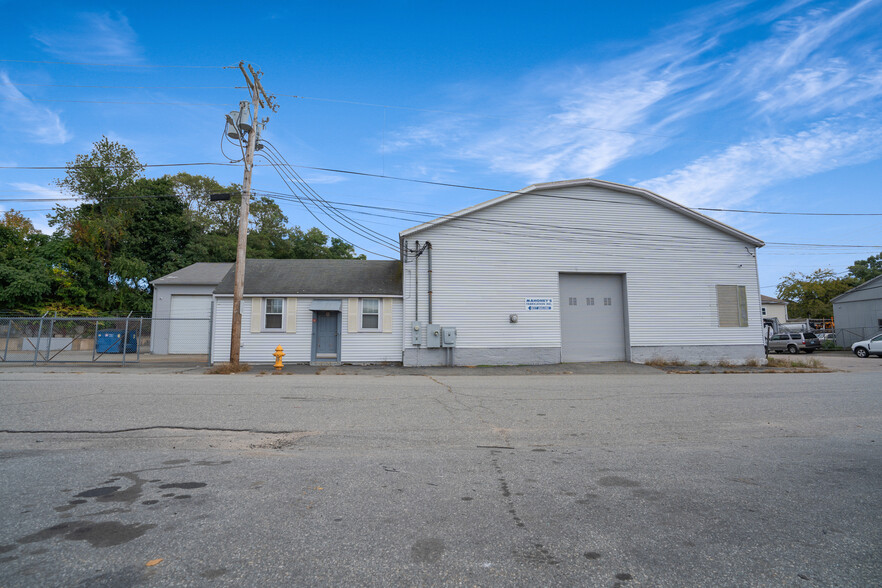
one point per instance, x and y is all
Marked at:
(771, 106)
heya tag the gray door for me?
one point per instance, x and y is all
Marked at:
(326, 334)
(592, 317)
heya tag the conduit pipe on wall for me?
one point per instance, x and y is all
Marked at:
(416, 288)
(429, 245)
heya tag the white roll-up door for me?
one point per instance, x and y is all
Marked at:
(592, 317)
(188, 329)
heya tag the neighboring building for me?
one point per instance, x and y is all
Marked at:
(857, 314)
(774, 308)
(182, 308)
(318, 310)
(581, 270)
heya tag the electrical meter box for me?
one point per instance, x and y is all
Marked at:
(416, 333)
(448, 336)
(433, 336)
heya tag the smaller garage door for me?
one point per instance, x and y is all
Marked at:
(188, 329)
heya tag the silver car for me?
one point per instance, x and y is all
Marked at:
(794, 343)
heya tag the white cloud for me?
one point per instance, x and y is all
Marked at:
(741, 171)
(576, 121)
(94, 38)
(20, 115)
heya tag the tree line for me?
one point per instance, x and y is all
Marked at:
(129, 230)
(810, 295)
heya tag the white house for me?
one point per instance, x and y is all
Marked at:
(774, 308)
(318, 310)
(579, 270)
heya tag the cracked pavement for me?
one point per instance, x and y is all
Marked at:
(384, 479)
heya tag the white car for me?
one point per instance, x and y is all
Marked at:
(872, 346)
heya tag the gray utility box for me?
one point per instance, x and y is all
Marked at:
(433, 336)
(448, 336)
(416, 333)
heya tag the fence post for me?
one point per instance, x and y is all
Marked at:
(95, 343)
(125, 340)
(8, 332)
(138, 344)
(39, 338)
(51, 336)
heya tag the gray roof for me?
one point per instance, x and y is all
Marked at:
(868, 285)
(317, 276)
(769, 300)
(198, 274)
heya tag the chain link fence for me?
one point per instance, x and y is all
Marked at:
(113, 340)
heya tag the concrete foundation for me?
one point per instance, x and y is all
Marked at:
(695, 354)
(420, 356)
(690, 354)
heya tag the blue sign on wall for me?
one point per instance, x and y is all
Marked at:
(538, 303)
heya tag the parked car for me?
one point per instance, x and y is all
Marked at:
(872, 346)
(794, 343)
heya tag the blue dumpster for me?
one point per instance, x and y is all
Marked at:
(110, 341)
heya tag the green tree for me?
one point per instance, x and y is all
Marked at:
(25, 275)
(809, 295)
(866, 269)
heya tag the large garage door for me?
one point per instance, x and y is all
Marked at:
(592, 317)
(188, 329)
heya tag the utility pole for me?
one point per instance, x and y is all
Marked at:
(258, 98)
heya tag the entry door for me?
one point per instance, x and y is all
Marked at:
(326, 334)
(592, 317)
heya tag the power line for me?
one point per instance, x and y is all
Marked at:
(26, 99)
(113, 64)
(468, 219)
(132, 87)
(322, 200)
(325, 210)
(520, 191)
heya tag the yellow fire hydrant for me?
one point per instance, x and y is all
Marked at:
(279, 354)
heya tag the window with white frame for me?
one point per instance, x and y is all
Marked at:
(370, 315)
(732, 306)
(274, 310)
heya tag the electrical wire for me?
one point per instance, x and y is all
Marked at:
(335, 212)
(288, 183)
(557, 227)
(114, 64)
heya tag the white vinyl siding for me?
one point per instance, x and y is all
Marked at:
(257, 348)
(485, 266)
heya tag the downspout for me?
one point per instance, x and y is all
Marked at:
(429, 245)
(416, 272)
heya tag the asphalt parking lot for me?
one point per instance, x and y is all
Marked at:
(604, 479)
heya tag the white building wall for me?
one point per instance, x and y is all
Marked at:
(258, 348)
(485, 264)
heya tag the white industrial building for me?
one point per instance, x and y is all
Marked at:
(580, 270)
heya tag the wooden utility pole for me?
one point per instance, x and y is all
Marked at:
(257, 100)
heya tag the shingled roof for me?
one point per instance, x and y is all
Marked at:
(326, 277)
(197, 274)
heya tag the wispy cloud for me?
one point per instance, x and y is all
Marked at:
(741, 171)
(36, 123)
(95, 38)
(806, 62)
